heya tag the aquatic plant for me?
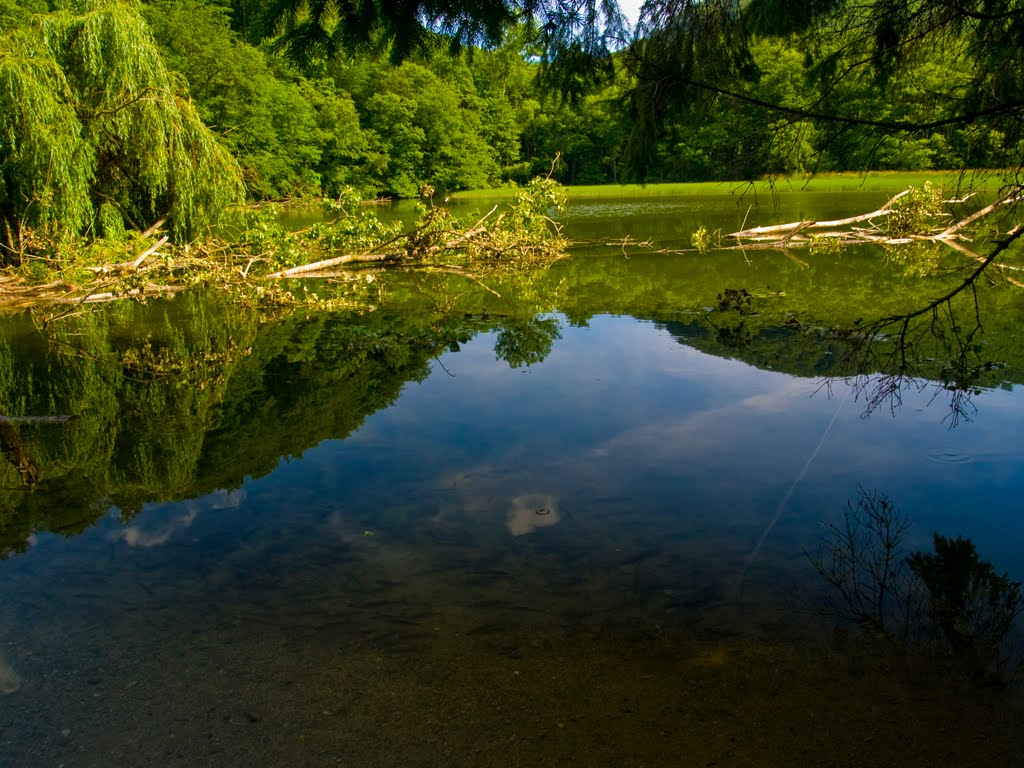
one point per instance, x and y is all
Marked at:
(701, 239)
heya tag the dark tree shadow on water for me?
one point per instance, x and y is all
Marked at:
(949, 602)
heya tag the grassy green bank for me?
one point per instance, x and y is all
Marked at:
(826, 182)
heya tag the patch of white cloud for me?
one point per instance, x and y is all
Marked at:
(148, 533)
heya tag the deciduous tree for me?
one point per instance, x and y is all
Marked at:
(94, 130)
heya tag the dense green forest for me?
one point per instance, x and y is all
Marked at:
(482, 115)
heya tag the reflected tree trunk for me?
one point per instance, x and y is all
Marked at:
(16, 452)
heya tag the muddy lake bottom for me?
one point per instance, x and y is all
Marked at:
(384, 681)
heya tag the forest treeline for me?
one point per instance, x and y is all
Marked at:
(482, 116)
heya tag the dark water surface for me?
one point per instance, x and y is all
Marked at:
(555, 519)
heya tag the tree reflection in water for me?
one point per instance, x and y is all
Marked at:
(938, 345)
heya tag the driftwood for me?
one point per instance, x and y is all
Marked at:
(129, 266)
(417, 247)
(794, 227)
(327, 265)
(952, 231)
(781, 235)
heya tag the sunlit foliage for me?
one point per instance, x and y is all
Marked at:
(91, 117)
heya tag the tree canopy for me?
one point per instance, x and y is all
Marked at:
(116, 114)
(94, 131)
(886, 83)
(688, 55)
(586, 30)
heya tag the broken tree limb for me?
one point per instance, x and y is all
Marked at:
(790, 235)
(797, 226)
(781, 236)
(338, 261)
(414, 250)
(127, 266)
(155, 228)
(148, 252)
(976, 216)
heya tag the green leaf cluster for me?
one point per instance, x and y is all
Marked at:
(90, 116)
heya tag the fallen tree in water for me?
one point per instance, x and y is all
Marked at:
(523, 232)
(915, 214)
(255, 254)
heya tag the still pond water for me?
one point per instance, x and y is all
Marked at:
(550, 519)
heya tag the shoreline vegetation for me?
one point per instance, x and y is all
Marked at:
(253, 253)
(119, 115)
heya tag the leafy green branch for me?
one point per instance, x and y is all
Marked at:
(523, 232)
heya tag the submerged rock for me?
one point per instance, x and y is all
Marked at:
(530, 512)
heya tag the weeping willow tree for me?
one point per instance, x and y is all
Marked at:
(95, 134)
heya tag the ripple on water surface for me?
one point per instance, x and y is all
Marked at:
(949, 456)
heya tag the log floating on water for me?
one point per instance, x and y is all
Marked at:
(783, 234)
(797, 226)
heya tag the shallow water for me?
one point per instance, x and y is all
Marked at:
(564, 525)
